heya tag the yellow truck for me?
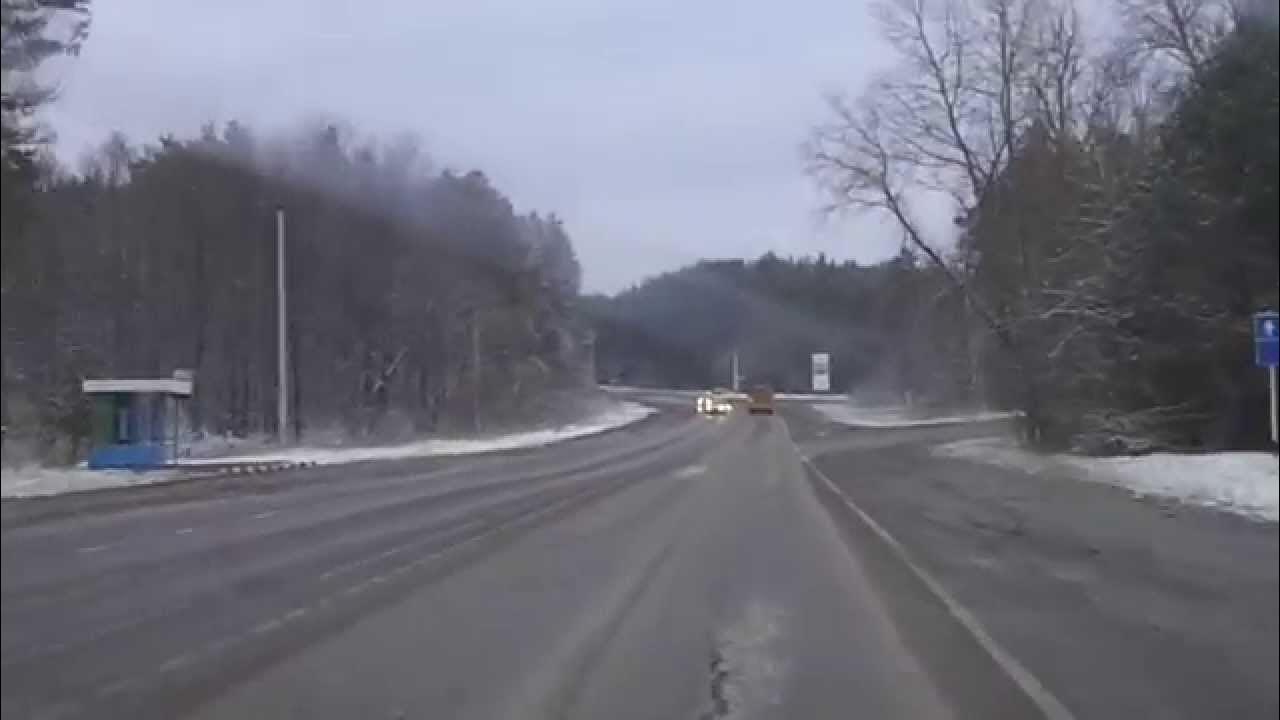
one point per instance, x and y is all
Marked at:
(760, 400)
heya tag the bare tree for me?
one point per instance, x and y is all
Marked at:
(972, 80)
(1184, 31)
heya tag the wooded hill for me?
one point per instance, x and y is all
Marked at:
(889, 327)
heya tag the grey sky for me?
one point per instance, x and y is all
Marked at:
(660, 131)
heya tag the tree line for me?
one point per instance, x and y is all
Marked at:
(1115, 226)
(420, 300)
(895, 330)
(1115, 202)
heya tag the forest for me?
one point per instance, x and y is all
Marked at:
(889, 328)
(1115, 226)
(420, 300)
(1112, 174)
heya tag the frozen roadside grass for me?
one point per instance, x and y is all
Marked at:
(35, 481)
(1245, 483)
(897, 416)
(615, 415)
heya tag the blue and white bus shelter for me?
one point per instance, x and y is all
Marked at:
(137, 423)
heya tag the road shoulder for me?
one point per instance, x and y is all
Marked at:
(971, 680)
(1123, 607)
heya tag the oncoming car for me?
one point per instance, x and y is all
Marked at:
(714, 403)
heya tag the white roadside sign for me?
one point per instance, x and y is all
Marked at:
(822, 372)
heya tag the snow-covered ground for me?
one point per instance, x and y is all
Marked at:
(642, 390)
(614, 416)
(34, 481)
(896, 416)
(215, 445)
(1247, 483)
(829, 397)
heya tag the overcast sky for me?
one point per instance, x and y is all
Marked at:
(661, 131)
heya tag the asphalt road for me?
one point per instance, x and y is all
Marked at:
(685, 567)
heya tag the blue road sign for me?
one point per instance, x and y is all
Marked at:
(1266, 338)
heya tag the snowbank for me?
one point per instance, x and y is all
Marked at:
(633, 389)
(615, 416)
(896, 416)
(809, 396)
(34, 481)
(1246, 483)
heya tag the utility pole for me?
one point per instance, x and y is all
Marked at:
(282, 334)
(589, 344)
(475, 368)
(734, 370)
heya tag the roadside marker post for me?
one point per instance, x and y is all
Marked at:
(1266, 353)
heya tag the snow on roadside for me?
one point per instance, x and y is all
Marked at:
(829, 397)
(210, 445)
(1246, 483)
(896, 416)
(34, 481)
(615, 416)
(634, 389)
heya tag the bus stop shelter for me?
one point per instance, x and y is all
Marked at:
(137, 423)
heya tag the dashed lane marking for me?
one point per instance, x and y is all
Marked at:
(391, 552)
(175, 663)
(215, 647)
(266, 626)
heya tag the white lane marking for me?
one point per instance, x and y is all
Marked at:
(185, 531)
(92, 549)
(175, 662)
(264, 515)
(391, 552)
(116, 687)
(1021, 676)
(266, 626)
(690, 471)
